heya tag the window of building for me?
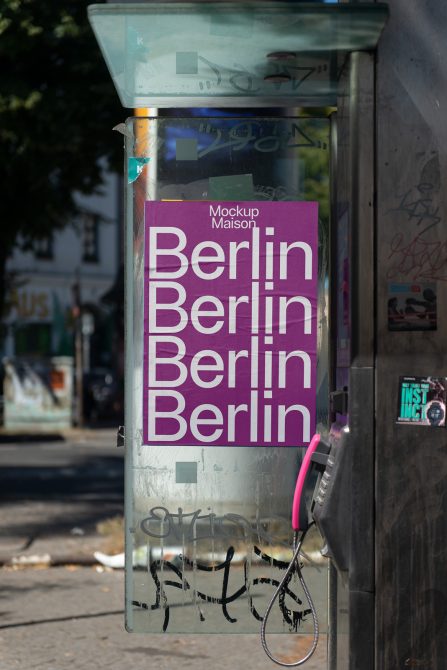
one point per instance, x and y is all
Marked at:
(90, 238)
(43, 249)
(33, 339)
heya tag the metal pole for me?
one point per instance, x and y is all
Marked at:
(78, 353)
(79, 375)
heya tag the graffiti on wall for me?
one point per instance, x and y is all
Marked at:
(416, 250)
(170, 576)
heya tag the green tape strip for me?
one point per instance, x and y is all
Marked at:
(135, 167)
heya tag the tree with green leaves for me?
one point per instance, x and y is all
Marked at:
(57, 111)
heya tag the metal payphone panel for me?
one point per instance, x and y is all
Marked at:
(331, 505)
(208, 528)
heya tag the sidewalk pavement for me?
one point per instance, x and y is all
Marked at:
(72, 618)
(55, 490)
(57, 611)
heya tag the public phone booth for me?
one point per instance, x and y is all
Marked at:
(250, 313)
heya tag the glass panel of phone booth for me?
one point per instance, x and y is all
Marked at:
(225, 52)
(237, 515)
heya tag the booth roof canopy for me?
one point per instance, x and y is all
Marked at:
(227, 54)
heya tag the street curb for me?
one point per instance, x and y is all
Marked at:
(33, 560)
(53, 552)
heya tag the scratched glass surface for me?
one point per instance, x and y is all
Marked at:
(226, 52)
(208, 528)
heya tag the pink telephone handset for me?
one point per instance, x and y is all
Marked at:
(300, 520)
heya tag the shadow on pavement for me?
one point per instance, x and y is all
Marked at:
(26, 438)
(48, 490)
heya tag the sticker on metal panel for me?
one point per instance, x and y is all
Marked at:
(412, 306)
(422, 401)
(230, 323)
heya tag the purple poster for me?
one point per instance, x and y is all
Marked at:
(230, 323)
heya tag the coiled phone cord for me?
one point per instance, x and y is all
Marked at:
(294, 564)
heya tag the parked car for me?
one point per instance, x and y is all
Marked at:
(103, 396)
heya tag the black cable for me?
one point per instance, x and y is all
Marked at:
(293, 565)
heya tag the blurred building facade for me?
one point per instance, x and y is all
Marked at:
(78, 264)
(65, 285)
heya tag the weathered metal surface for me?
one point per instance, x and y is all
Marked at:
(361, 388)
(353, 257)
(411, 463)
